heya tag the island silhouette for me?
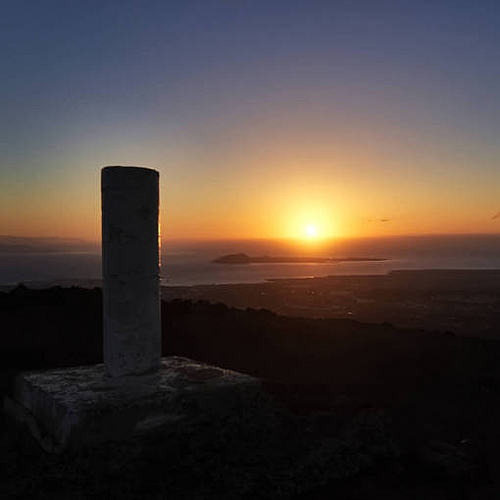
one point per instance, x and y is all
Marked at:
(243, 258)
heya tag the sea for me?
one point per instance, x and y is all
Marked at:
(186, 263)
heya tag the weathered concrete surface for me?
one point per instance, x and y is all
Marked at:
(77, 406)
(130, 268)
(193, 430)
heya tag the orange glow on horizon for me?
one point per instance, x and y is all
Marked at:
(284, 198)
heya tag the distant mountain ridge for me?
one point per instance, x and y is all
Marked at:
(24, 244)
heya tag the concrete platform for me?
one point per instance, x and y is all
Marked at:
(77, 406)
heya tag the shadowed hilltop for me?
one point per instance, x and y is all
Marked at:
(437, 394)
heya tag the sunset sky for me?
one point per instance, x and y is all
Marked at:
(360, 118)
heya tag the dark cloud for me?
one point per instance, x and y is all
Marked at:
(385, 220)
(496, 216)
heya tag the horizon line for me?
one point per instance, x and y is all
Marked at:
(256, 238)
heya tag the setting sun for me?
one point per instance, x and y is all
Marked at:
(311, 231)
(311, 220)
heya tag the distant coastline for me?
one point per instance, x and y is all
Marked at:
(243, 258)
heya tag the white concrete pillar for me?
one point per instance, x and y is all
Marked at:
(130, 270)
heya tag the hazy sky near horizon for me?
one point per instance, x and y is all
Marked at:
(360, 117)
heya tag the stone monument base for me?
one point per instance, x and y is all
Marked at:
(76, 406)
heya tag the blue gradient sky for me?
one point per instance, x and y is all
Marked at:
(262, 116)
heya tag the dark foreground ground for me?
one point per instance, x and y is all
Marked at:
(427, 404)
